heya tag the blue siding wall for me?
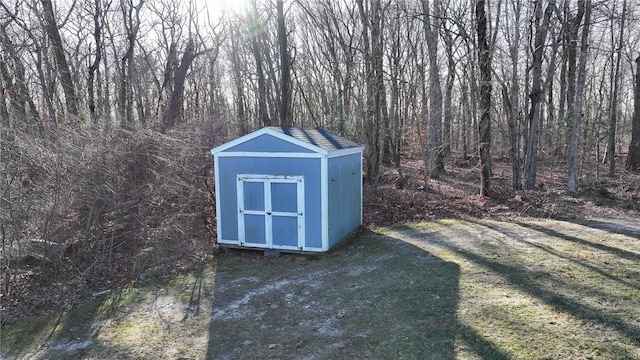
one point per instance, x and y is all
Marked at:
(345, 202)
(229, 167)
(268, 143)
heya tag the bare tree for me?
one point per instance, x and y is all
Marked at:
(14, 83)
(21, 107)
(431, 29)
(341, 42)
(285, 68)
(398, 66)
(613, 103)
(4, 109)
(256, 36)
(238, 81)
(51, 26)
(571, 27)
(466, 113)
(541, 29)
(577, 112)
(469, 88)
(353, 67)
(98, 19)
(131, 23)
(372, 51)
(484, 125)
(174, 110)
(449, 38)
(511, 95)
(633, 158)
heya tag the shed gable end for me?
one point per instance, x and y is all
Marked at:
(267, 143)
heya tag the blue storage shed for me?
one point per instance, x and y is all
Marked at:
(295, 189)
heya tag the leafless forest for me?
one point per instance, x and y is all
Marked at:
(108, 109)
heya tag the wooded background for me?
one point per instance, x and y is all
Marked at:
(396, 75)
(99, 96)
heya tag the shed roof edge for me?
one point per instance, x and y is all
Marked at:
(279, 135)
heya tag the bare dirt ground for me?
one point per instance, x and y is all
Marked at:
(44, 289)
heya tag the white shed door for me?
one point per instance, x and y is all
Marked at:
(271, 211)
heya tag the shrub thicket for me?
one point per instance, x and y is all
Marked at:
(93, 211)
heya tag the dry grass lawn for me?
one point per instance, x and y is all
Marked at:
(449, 289)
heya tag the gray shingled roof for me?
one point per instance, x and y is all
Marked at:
(318, 137)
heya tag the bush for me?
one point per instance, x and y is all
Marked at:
(122, 203)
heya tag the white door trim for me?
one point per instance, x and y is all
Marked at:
(268, 212)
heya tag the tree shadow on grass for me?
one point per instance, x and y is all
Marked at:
(616, 226)
(374, 297)
(628, 255)
(550, 289)
(569, 257)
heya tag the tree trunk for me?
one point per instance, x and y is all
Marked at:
(174, 111)
(512, 121)
(547, 88)
(71, 99)
(423, 114)
(633, 158)
(285, 70)
(139, 99)
(20, 99)
(394, 130)
(13, 85)
(131, 23)
(241, 120)
(511, 99)
(104, 101)
(466, 111)
(95, 65)
(572, 27)
(472, 132)
(613, 110)
(484, 125)
(448, 93)
(4, 110)
(273, 92)
(166, 87)
(559, 138)
(370, 34)
(435, 157)
(263, 113)
(377, 33)
(531, 159)
(47, 87)
(577, 112)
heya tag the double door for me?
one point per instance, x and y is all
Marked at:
(271, 211)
